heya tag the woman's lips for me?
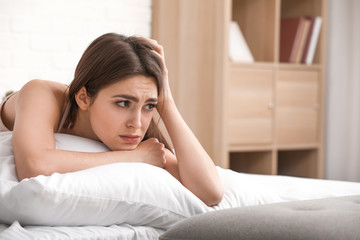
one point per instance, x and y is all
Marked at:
(130, 138)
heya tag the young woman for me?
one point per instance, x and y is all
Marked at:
(118, 83)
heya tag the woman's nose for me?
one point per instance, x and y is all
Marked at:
(134, 120)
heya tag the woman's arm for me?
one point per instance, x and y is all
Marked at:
(196, 169)
(38, 107)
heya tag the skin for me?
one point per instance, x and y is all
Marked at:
(118, 116)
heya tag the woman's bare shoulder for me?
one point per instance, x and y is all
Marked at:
(37, 84)
(36, 90)
(44, 90)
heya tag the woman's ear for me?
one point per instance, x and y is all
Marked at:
(82, 99)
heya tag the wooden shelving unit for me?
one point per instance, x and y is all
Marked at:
(264, 117)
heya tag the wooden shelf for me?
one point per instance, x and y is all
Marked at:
(298, 147)
(263, 117)
(292, 66)
(240, 148)
(261, 65)
(279, 66)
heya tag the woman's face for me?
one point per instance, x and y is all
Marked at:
(121, 112)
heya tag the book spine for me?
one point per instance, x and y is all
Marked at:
(303, 38)
(314, 40)
(297, 39)
(306, 49)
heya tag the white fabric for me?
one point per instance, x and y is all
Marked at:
(250, 189)
(343, 91)
(113, 232)
(129, 194)
(133, 193)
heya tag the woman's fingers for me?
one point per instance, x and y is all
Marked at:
(155, 152)
(162, 60)
(158, 48)
(158, 51)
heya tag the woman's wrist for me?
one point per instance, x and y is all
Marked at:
(165, 106)
(166, 99)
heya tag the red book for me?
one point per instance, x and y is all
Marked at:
(303, 38)
(290, 36)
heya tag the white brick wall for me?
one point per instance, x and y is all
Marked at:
(44, 39)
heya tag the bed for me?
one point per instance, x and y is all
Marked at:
(128, 200)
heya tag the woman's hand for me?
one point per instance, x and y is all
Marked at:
(164, 95)
(151, 151)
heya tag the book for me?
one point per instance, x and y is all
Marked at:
(239, 50)
(306, 48)
(290, 35)
(302, 42)
(308, 57)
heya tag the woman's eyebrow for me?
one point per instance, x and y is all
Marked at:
(129, 97)
(152, 100)
(135, 99)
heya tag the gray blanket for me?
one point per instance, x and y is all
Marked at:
(326, 219)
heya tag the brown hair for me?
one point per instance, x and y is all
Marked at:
(110, 58)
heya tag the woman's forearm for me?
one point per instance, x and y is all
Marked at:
(197, 170)
(50, 161)
(30, 163)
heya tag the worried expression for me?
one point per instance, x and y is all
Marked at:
(121, 112)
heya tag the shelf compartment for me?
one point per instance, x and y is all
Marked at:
(310, 8)
(257, 19)
(299, 163)
(291, 8)
(259, 162)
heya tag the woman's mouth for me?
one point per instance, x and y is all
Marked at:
(128, 138)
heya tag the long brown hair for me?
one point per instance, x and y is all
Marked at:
(110, 58)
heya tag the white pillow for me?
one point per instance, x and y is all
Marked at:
(133, 193)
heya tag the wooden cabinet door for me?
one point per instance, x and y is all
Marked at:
(250, 113)
(297, 104)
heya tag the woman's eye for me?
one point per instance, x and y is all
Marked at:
(150, 107)
(123, 103)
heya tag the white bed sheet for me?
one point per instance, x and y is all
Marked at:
(114, 232)
(243, 189)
